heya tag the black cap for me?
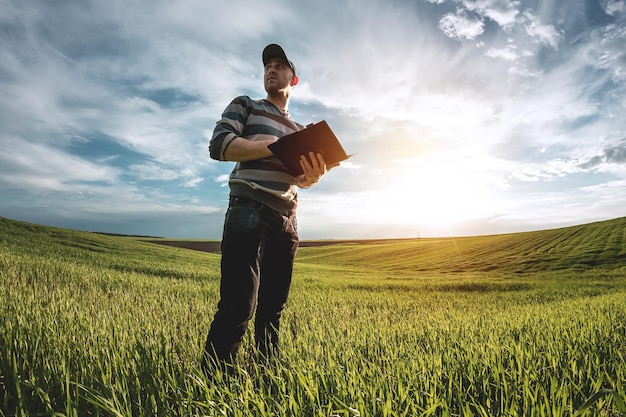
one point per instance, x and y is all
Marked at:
(275, 51)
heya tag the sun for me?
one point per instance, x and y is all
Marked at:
(442, 190)
(434, 195)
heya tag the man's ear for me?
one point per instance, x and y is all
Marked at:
(294, 82)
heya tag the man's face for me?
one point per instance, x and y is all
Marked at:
(278, 76)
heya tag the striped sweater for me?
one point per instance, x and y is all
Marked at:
(265, 180)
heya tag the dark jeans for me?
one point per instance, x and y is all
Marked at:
(258, 250)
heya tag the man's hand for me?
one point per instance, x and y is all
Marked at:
(314, 167)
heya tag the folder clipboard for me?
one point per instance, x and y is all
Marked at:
(317, 138)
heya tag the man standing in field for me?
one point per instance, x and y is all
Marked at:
(260, 236)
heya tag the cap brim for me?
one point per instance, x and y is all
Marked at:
(275, 51)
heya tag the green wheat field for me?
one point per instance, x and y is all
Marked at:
(527, 324)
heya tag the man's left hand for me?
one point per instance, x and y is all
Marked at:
(313, 167)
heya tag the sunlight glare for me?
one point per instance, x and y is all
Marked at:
(441, 190)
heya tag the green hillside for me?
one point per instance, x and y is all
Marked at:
(595, 245)
(590, 246)
(507, 325)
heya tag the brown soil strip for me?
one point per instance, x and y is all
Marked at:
(214, 246)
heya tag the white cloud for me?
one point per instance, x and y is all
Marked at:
(508, 53)
(524, 71)
(521, 106)
(613, 7)
(504, 12)
(153, 171)
(459, 26)
(546, 34)
(222, 180)
(40, 167)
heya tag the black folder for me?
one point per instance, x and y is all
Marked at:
(317, 138)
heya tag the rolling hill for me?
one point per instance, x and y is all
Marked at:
(493, 325)
(595, 245)
(600, 245)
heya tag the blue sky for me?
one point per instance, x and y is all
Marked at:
(467, 116)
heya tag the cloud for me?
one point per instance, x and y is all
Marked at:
(508, 53)
(40, 167)
(616, 154)
(504, 12)
(611, 155)
(153, 171)
(613, 7)
(116, 101)
(605, 51)
(460, 26)
(546, 34)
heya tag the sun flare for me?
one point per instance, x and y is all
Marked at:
(441, 191)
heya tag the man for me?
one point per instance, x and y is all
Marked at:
(260, 236)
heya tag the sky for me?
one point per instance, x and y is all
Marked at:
(467, 117)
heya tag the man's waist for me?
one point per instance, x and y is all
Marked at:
(277, 200)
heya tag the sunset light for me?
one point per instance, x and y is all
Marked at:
(465, 117)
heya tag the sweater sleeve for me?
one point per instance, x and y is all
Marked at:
(229, 127)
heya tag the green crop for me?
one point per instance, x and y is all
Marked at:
(530, 324)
